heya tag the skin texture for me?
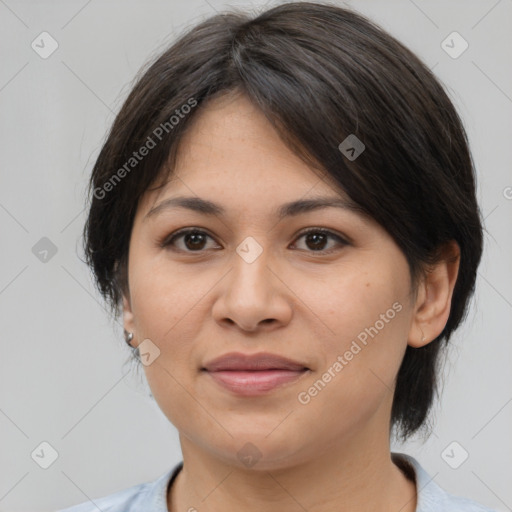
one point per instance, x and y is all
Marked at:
(202, 300)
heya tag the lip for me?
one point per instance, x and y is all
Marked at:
(253, 374)
(237, 361)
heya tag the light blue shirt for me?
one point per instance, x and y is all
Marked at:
(152, 496)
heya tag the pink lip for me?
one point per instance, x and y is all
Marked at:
(253, 374)
(260, 361)
(254, 382)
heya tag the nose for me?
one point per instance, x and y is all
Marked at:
(253, 297)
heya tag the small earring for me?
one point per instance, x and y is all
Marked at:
(423, 339)
(128, 336)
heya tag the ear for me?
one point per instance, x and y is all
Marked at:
(433, 302)
(128, 318)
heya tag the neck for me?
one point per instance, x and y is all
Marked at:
(356, 475)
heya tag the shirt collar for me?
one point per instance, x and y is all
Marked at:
(159, 488)
(430, 497)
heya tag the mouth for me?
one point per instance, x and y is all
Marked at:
(253, 375)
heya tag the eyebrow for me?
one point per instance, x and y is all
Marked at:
(290, 209)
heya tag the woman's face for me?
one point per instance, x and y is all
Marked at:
(253, 282)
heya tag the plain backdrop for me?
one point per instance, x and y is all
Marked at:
(63, 377)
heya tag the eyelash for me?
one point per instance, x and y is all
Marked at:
(170, 240)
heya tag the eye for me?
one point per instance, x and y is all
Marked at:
(316, 239)
(194, 240)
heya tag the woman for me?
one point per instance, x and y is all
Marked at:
(285, 213)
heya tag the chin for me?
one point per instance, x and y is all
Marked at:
(260, 451)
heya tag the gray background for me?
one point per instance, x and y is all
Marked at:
(63, 377)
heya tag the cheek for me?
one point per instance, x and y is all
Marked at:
(365, 315)
(167, 389)
(163, 306)
(162, 297)
(165, 313)
(355, 297)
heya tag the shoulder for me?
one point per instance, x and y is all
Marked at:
(149, 496)
(124, 498)
(431, 497)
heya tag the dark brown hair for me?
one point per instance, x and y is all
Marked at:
(319, 73)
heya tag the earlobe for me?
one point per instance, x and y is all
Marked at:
(433, 304)
(128, 318)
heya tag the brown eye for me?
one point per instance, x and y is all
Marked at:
(317, 239)
(194, 240)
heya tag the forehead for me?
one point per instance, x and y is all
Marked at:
(231, 152)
